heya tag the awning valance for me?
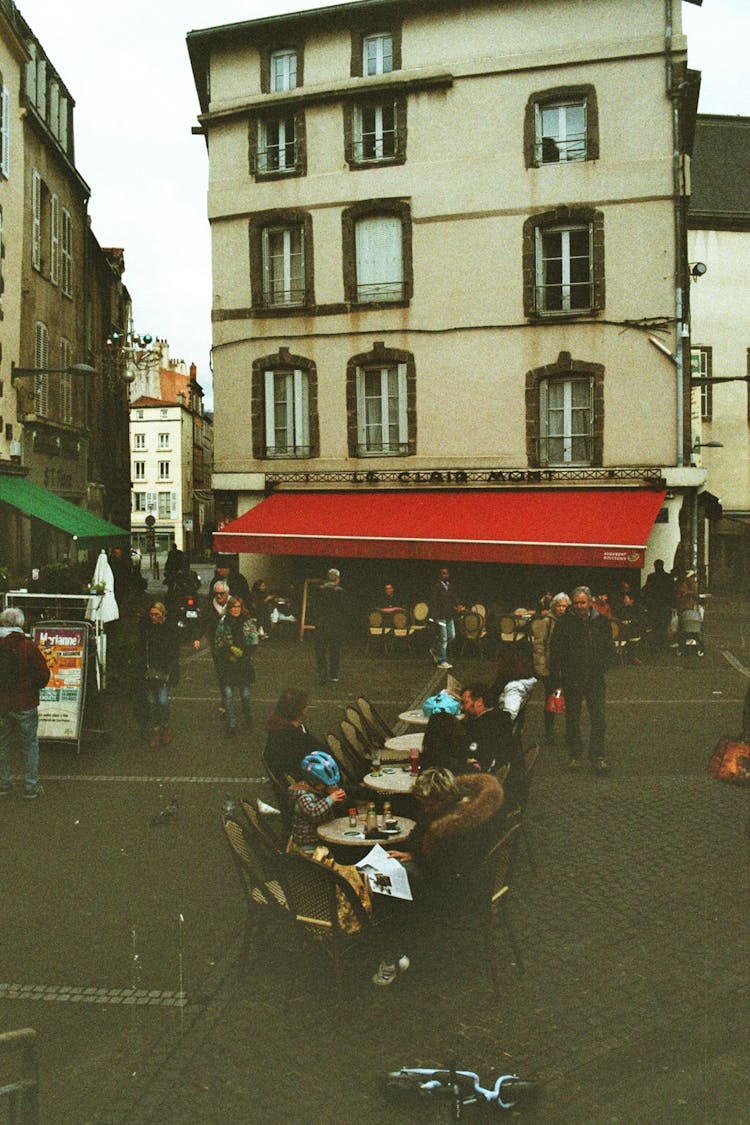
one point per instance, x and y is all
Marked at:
(87, 529)
(547, 527)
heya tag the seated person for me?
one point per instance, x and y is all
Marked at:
(460, 820)
(632, 625)
(445, 745)
(315, 799)
(487, 729)
(288, 740)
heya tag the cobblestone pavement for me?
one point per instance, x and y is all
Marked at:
(633, 1006)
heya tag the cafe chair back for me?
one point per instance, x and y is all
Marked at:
(498, 866)
(353, 715)
(377, 630)
(280, 785)
(265, 898)
(472, 632)
(373, 718)
(260, 826)
(315, 894)
(353, 740)
(351, 768)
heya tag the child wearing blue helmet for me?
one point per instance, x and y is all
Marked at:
(315, 798)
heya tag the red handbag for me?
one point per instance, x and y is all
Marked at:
(555, 703)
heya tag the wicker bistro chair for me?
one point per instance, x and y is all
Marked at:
(472, 631)
(355, 743)
(315, 893)
(354, 716)
(280, 786)
(373, 718)
(265, 898)
(377, 630)
(420, 621)
(350, 767)
(273, 842)
(399, 634)
(498, 865)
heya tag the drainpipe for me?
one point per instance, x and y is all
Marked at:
(674, 95)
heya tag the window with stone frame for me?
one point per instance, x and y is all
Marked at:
(281, 261)
(285, 407)
(281, 66)
(277, 145)
(375, 50)
(375, 131)
(565, 414)
(41, 362)
(381, 403)
(563, 262)
(701, 364)
(377, 253)
(561, 125)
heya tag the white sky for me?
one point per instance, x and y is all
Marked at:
(127, 67)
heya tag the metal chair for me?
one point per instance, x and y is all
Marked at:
(420, 620)
(498, 864)
(472, 631)
(399, 632)
(373, 718)
(349, 764)
(265, 898)
(377, 630)
(356, 745)
(370, 736)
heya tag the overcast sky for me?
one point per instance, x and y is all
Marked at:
(127, 68)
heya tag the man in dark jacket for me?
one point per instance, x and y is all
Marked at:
(580, 652)
(288, 740)
(444, 603)
(23, 673)
(331, 622)
(489, 732)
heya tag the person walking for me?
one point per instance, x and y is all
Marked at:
(23, 673)
(580, 654)
(444, 603)
(236, 637)
(659, 600)
(160, 657)
(212, 615)
(331, 620)
(542, 627)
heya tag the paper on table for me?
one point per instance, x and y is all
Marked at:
(385, 875)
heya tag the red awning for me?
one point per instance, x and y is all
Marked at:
(550, 527)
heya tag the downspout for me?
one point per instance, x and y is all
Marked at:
(674, 96)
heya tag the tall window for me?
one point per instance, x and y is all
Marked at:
(36, 219)
(701, 364)
(287, 410)
(566, 415)
(41, 360)
(563, 259)
(164, 473)
(66, 382)
(139, 501)
(374, 132)
(54, 237)
(165, 505)
(139, 441)
(377, 53)
(283, 266)
(66, 253)
(283, 71)
(139, 470)
(379, 258)
(5, 131)
(560, 132)
(381, 411)
(164, 441)
(277, 145)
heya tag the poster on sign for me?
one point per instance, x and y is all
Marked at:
(64, 647)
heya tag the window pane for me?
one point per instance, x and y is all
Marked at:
(284, 267)
(567, 427)
(375, 132)
(283, 71)
(379, 258)
(561, 132)
(377, 54)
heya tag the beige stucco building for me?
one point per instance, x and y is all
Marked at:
(449, 257)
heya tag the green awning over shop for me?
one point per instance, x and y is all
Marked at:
(87, 529)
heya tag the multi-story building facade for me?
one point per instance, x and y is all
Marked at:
(719, 239)
(64, 409)
(171, 440)
(450, 318)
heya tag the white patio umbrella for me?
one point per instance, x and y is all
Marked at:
(101, 609)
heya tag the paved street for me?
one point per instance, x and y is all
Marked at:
(634, 1004)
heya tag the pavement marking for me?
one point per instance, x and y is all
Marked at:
(161, 780)
(127, 997)
(732, 659)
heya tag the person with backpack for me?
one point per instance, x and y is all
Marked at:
(23, 673)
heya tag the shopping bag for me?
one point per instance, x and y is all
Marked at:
(555, 703)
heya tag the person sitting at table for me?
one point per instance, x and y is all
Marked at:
(460, 819)
(445, 745)
(490, 731)
(314, 799)
(288, 740)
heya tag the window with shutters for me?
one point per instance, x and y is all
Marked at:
(36, 219)
(4, 131)
(381, 403)
(54, 238)
(376, 240)
(66, 253)
(165, 505)
(41, 360)
(66, 382)
(284, 406)
(563, 258)
(281, 260)
(701, 367)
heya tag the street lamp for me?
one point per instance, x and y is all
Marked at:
(73, 369)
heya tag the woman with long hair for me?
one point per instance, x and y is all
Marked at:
(236, 637)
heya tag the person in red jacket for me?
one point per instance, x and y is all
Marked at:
(23, 673)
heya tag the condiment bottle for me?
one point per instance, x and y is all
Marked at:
(353, 818)
(414, 759)
(371, 820)
(387, 814)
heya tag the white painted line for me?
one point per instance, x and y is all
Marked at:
(142, 997)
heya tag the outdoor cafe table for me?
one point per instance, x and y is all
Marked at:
(398, 748)
(417, 718)
(339, 832)
(394, 780)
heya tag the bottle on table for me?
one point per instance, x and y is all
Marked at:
(352, 818)
(371, 820)
(414, 759)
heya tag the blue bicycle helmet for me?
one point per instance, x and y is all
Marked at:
(322, 767)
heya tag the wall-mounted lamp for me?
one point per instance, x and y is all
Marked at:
(698, 445)
(697, 269)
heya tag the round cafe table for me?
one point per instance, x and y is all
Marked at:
(417, 718)
(392, 779)
(398, 748)
(341, 833)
